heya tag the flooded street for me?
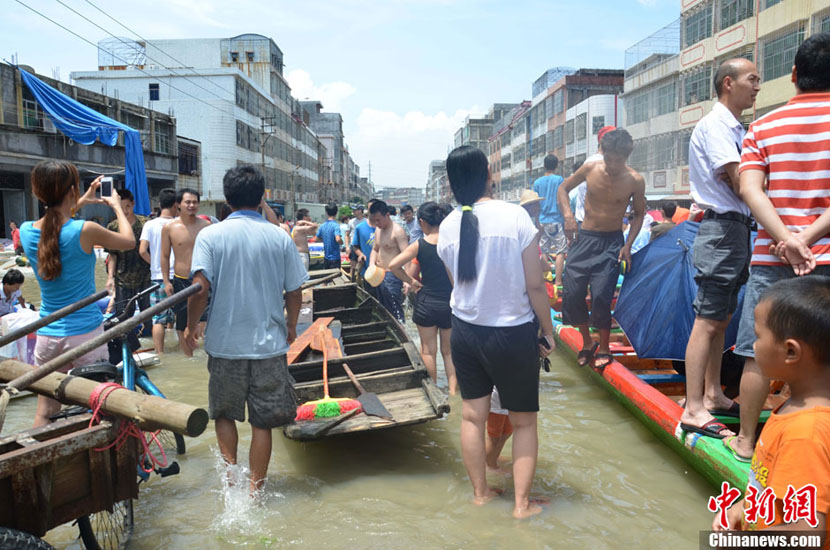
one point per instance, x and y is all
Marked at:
(610, 482)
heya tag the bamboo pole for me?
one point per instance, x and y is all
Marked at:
(151, 412)
(314, 282)
(52, 317)
(26, 379)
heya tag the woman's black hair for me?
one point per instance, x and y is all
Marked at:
(468, 172)
(433, 213)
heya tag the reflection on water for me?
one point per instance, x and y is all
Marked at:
(610, 482)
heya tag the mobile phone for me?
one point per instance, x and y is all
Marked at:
(106, 187)
(544, 342)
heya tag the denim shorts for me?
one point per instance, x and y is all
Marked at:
(761, 277)
(721, 258)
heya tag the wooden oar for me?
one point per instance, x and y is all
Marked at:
(370, 402)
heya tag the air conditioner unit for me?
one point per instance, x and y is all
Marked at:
(49, 126)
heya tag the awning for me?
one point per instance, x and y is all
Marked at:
(85, 126)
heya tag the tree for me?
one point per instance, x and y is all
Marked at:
(345, 210)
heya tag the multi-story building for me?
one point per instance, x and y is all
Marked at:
(437, 181)
(583, 122)
(398, 196)
(27, 136)
(338, 162)
(710, 31)
(229, 93)
(508, 148)
(475, 132)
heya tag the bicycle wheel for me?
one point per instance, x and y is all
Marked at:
(108, 530)
(12, 539)
(171, 442)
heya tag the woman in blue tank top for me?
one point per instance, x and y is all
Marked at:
(432, 313)
(60, 250)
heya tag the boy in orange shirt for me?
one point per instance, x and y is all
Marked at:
(792, 323)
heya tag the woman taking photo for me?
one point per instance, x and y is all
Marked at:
(491, 249)
(432, 312)
(60, 250)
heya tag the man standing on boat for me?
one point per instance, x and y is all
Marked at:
(249, 263)
(390, 240)
(721, 248)
(784, 150)
(304, 229)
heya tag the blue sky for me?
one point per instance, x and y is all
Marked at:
(404, 73)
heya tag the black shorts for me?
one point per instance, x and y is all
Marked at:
(180, 309)
(331, 264)
(593, 259)
(432, 311)
(504, 357)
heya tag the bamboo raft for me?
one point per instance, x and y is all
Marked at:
(379, 352)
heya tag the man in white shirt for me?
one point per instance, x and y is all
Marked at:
(722, 245)
(150, 250)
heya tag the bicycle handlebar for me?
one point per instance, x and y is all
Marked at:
(123, 315)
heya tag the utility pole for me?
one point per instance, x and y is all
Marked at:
(294, 192)
(266, 131)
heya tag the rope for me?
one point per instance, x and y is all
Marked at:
(127, 429)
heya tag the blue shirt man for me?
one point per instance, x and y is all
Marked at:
(546, 187)
(364, 239)
(328, 232)
(553, 240)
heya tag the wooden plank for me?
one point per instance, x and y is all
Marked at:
(365, 347)
(364, 327)
(365, 337)
(26, 509)
(360, 364)
(437, 398)
(44, 475)
(303, 340)
(379, 383)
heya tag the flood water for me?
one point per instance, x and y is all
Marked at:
(610, 482)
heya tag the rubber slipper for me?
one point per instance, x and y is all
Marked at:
(586, 356)
(727, 443)
(712, 429)
(734, 411)
(607, 357)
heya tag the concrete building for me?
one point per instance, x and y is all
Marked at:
(338, 163)
(437, 182)
(583, 122)
(707, 33)
(508, 148)
(229, 93)
(27, 137)
(475, 132)
(398, 196)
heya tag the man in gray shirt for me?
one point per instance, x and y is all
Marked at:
(248, 263)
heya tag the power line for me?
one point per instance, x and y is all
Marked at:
(156, 47)
(82, 16)
(70, 31)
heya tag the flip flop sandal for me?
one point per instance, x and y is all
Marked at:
(606, 356)
(734, 411)
(712, 429)
(586, 356)
(727, 442)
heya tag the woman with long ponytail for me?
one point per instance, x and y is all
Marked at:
(60, 250)
(499, 305)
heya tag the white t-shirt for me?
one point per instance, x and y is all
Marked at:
(7, 302)
(582, 189)
(151, 232)
(498, 297)
(716, 141)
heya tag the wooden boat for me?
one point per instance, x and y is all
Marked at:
(650, 389)
(376, 348)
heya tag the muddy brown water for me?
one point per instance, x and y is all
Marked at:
(610, 482)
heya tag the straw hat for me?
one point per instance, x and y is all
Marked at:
(529, 196)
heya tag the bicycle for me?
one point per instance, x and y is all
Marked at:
(111, 529)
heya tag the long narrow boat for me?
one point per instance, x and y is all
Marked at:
(379, 352)
(650, 390)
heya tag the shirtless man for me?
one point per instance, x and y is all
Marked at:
(303, 229)
(180, 234)
(390, 240)
(595, 254)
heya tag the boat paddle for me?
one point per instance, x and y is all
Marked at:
(370, 402)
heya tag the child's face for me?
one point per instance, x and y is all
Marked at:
(770, 352)
(8, 290)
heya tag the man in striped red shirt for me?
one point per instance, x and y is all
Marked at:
(789, 151)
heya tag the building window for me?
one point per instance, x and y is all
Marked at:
(558, 101)
(581, 126)
(154, 91)
(698, 26)
(569, 132)
(664, 151)
(778, 54)
(558, 137)
(732, 11)
(249, 56)
(188, 159)
(660, 180)
(770, 3)
(161, 138)
(596, 124)
(698, 86)
(664, 99)
(637, 108)
(639, 155)
(234, 57)
(31, 117)
(822, 23)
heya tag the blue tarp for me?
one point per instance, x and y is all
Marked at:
(86, 125)
(654, 307)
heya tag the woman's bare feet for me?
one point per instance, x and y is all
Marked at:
(527, 511)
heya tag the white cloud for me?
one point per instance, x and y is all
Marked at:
(331, 94)
(401, 146)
